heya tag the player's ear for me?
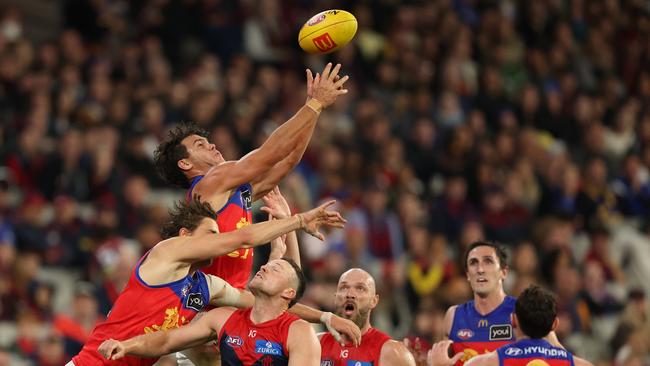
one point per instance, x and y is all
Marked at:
(374, 301)
(556, 322)
(289, 294)
(184, 232)
(184, 165)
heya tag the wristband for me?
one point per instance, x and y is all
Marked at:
(326, 318)
(315, 105)
(301, 220)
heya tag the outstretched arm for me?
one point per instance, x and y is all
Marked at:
(281, 143)
(334, 323)
(203, 246)
(278, 208)
(164, 342)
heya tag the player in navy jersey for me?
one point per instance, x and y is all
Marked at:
(263, 335)
(534, 320)
(355, 298)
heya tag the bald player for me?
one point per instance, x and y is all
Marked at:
(534, 320)
(355, 298)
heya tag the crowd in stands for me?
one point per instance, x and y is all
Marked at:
(521, 122)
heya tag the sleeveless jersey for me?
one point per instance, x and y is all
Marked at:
(367, 354)
(143, 308)
(533, 352)
(243, 343)
(475, 334)
(234, 267)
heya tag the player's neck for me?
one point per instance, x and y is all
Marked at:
(267, 308)
(366, 327)
(486, 304)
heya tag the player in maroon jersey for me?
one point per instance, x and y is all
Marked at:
(166, 289)
(187, 159)
(355, 298)
(262, 335)
(534, 320)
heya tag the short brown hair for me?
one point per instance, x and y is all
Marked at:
(170, 151)
(187, 214)
(498, 249)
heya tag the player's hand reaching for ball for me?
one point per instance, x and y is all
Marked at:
(312, 220)
(325, 87)
(112, 349)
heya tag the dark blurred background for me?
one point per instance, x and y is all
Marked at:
(524, 122)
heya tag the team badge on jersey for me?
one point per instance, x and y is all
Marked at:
(234, 342)
(501, 332)
(465, 334)
(268, 348)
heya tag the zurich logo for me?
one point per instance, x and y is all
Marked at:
(513, 351)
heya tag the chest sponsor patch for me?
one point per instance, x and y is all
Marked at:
(501, 332)
(358, 363)
(194, 301)
(265, 347)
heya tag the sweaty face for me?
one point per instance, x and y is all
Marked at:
(202, 154)
(484, 271)
(355, 297)
(272, 278)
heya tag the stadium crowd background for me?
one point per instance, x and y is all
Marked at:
(524, 122)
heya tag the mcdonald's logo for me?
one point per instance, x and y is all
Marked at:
(482, 323)
(324, 42)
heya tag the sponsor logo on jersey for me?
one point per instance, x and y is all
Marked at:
(358, 363)
(194, 301)
(327, 363)
(234, 341)
(247, 197)
(514, 351)
(268, 348)
(501, 332)
(483, 323)
(465, 334)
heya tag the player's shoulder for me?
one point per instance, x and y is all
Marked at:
(395, 353)
(300, 327)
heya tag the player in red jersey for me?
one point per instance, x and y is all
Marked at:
(534, 320)
(355, 298)
(166, 290)
(263, 335)
(187, 159)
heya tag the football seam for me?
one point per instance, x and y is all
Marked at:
(339, 22)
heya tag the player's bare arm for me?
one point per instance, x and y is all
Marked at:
(449, 319)
(278, 208)
(336, 325)
(223, 294)
(203, 246)
(395, 353)
(286, 138)
(164, 342)
(302, 345)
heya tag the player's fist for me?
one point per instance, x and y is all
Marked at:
(111, 349)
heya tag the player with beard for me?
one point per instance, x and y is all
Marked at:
(355, 298)
(265, 334)
(534, 320)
